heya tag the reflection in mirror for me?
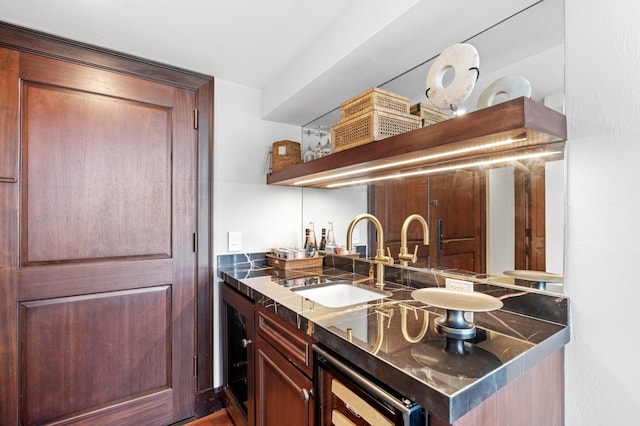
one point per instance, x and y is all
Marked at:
(338, 206)
(529, 44)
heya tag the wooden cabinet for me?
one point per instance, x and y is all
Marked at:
(284, 395)
(238, 336)
(283, 372)
(267, 363)
(535, 398)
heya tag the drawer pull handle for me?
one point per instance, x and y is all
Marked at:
(8, 179)
(307, 394)
(352, 410)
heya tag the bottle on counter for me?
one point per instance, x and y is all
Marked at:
(323, 240)
(331, 241)
(306, 238)
(311, 246)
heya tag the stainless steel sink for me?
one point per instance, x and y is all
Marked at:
(339, 294)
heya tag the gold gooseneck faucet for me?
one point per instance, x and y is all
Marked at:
(404, 255)
(380, 258)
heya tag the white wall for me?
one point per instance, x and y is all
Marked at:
(338, 206)
(242, 200)
(266, 215)
(501, 253)
(501, 214)
(603, 211)
(554, 216)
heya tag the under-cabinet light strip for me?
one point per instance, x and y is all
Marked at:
(446, 168)
(412, 160)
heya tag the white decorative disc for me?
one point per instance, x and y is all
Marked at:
(541, 276)
(457, 300)
(464, 61)
(511, 86)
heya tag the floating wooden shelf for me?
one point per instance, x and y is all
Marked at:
(452, 143)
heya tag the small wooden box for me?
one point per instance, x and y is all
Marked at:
(285, 153)
(370, 126)
(292, 264)
(375, 98)
(427, 114)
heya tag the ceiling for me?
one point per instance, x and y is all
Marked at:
(306, 56)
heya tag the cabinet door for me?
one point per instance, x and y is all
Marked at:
(292, 343)
(284, 395)
(103, 266)
(237, 315)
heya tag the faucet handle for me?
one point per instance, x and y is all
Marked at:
(414, 259)
(384, 258)
(405, 257)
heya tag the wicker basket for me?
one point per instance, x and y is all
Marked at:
(370, 126)
(374, 99)
(285, 153)
(427, 114)
(291, 264)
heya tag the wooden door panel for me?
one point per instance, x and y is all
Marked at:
(98, 172)
(465, 261)
(537, 208)
(105, 367)
(530, 203)
(394, 202)
(458, 210)
(456, 201)
(106, 242)
(152, 410)
(40, 282)
(455, 197)
(93, 80)
(9, 196)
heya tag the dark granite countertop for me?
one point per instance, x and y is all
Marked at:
(394, 339)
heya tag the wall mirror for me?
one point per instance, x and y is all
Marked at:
(529, 44)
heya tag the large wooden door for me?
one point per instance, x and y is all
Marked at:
(530, 203)
(454, 206)
(458, 214)
(98, 262)
(393, 202)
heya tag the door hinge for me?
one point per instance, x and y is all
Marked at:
(195, 119)
(195, 242)
(195, 366)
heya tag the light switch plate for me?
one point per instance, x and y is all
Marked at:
(460, 285)
(235, 241)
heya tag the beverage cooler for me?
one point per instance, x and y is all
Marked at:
(346, 397)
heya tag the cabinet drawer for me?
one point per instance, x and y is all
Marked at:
(288, 340)
(355, 405)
